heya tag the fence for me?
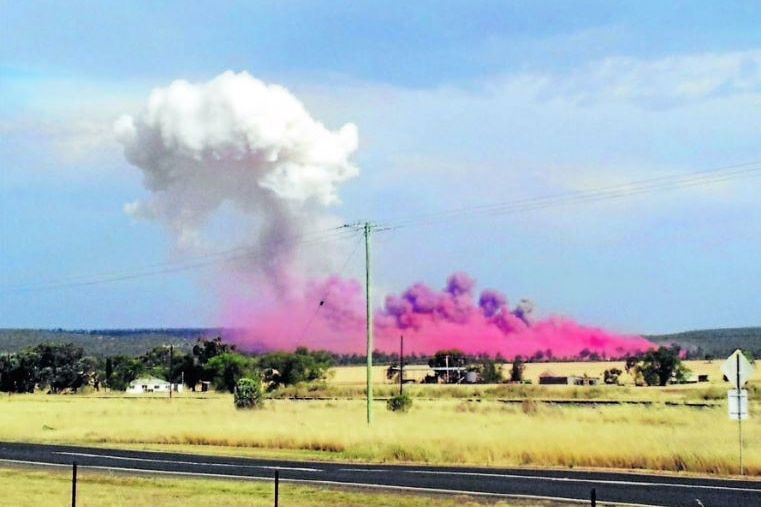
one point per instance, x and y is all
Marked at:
(276, 499)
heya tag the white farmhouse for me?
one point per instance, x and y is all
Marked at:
(151, 385)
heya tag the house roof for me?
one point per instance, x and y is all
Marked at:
(149, 380)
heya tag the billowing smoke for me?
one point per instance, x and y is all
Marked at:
(329, 314)
(432, 320)
(235, 146)
(242, 152)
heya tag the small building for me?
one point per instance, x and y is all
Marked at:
(549, 378)
(694, 379)
(152, 385)
(586, 380)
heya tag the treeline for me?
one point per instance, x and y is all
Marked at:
(700, 344)
(63, 367)
(103, 343)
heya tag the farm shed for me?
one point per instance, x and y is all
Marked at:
(549, 378)
(693, 379)
(151, 385)
(585, 380)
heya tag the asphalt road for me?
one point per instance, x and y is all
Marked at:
(611, 487)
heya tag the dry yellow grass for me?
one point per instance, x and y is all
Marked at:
(440, 431)
(350, 381)
(357, 375)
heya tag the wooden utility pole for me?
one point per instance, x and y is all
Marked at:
(369, 311)
(171, 360)
(367, 228)
(401, 364)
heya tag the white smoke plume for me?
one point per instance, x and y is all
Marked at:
(237, 143)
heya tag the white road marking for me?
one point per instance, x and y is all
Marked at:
(365, 470)
(35, 463)
(590, 481)
(148, 460)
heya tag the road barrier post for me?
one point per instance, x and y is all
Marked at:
(74, 484)
(593, 497)
(277, 486)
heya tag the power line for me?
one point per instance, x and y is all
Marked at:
(318, 237)
(325, 293)
(196, 262)
(662, 183)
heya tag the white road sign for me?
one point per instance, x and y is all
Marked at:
(738, 405)
(737, 362)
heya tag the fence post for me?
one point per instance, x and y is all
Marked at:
(277, 486)
(593, 497)
(74, 485)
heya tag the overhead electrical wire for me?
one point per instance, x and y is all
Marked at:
(324, 297)
(661, 183)
(621, 190)
(192, 263)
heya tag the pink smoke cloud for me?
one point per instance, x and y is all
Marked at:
(325, 313)
(433, 320)
(330, 315)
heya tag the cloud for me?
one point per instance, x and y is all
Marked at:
(245, 156)
(71, 117)
(232, 139)
(660, 83)
(616, 118)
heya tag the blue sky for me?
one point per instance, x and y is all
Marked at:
(457, 105)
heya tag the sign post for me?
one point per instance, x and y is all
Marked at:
(737, 369)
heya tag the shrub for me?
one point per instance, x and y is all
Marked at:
(529, 407)
(491, 372)
(248, 393)
(290, 368)
(399, 403)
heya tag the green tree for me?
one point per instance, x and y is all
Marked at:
(109, 371)
(516, 370)
(17, 373)
(195, 367)
(491, 372)
(58, 366)
(288, 368)
(155, 362)
(657, 366)
(124, 369)
(191, 370)
(204, 350)
(227, 368)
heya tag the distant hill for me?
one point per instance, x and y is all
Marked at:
(111, 342)
(714, 342)
(133, 342)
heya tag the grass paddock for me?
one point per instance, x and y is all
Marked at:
(357, 375)
(440, 431)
